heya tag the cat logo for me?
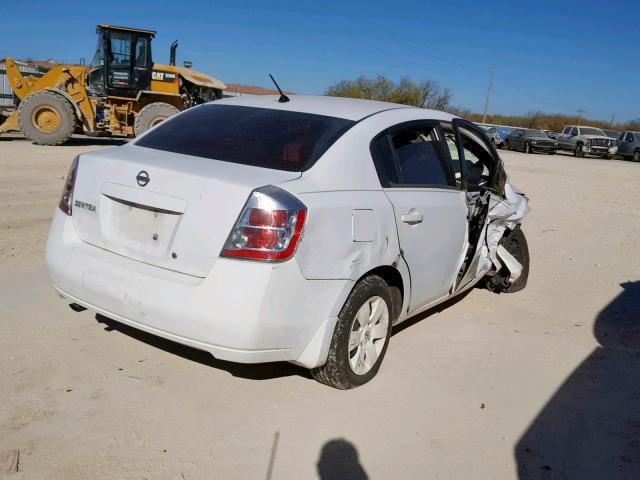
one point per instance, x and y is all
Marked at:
(168, 77)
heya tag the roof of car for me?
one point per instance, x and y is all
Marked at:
(340, 107)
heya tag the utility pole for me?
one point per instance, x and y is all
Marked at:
(580, 112)
(486, 102)
(613, 117)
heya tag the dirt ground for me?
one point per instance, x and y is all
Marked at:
(538, 384)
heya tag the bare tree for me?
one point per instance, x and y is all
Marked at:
(427, 93)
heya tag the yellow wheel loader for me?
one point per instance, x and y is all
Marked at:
(122, 93)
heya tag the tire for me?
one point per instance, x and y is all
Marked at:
(151, 115)
(527, 148)
(47, 118)
(516, 244)
(552, 152)
(339, 371)
(636, 156)
(506, 145)
(578, 152)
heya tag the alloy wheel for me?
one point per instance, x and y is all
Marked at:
(368, 334)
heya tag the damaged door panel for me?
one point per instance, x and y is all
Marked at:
(495, 210)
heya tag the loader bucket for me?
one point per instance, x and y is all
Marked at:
(10, 123)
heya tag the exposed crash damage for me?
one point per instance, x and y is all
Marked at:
(497, 250)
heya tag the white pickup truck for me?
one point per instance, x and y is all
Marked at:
(583, 141)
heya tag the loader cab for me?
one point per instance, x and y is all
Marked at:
(122, 63)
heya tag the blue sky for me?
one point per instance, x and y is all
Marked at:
(555, 56)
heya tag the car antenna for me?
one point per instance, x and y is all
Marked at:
(283, 98)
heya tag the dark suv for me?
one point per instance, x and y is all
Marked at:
(530, 140)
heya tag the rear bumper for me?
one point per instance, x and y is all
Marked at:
(245, 312)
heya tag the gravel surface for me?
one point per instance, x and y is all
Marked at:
(538, 384)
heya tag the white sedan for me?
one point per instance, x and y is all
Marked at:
(261, 229)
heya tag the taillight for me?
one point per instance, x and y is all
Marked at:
(66, 200)
(269, 227)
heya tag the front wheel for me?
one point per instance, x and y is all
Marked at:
(361, 336)
(578, 152)
(636, 156)
(46, 118)
(527, 148)
(516, 244)
(506, 146)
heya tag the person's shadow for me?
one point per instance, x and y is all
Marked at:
(339, 460)
(590, 429)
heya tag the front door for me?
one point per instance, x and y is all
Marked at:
(129, 63)
(431, 212)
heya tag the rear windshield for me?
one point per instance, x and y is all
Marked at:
(260, 137)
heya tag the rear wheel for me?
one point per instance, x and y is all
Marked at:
(636, 156)
(361, 336)
(516, 244)
(46, 118)
(151, 115)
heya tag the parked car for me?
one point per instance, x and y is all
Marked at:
(296, 231)
(529, 140)
(497, 135)
(629, 145)
(586, 140)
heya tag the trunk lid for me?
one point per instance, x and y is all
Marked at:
(178, 220)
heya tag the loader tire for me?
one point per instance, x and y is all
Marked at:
(46, 118)
(151, 115)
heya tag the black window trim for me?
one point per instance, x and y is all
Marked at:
(444, 151)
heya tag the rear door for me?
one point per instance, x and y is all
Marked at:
(431, 212)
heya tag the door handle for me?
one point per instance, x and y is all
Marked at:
(412, 218)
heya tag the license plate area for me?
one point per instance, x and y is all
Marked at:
(137, 230)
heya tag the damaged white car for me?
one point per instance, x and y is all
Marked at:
(265, 229)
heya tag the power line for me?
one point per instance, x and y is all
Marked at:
(580, 112)
(330, 22)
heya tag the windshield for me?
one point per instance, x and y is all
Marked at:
(260, 137)
(591, 131)
(532, 132)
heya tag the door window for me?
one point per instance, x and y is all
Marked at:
(412, 156)
(120, 48)
(142, 52)
(574, 132)
(478, 159)
(420, 160)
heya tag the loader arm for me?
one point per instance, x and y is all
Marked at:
(67, 80)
